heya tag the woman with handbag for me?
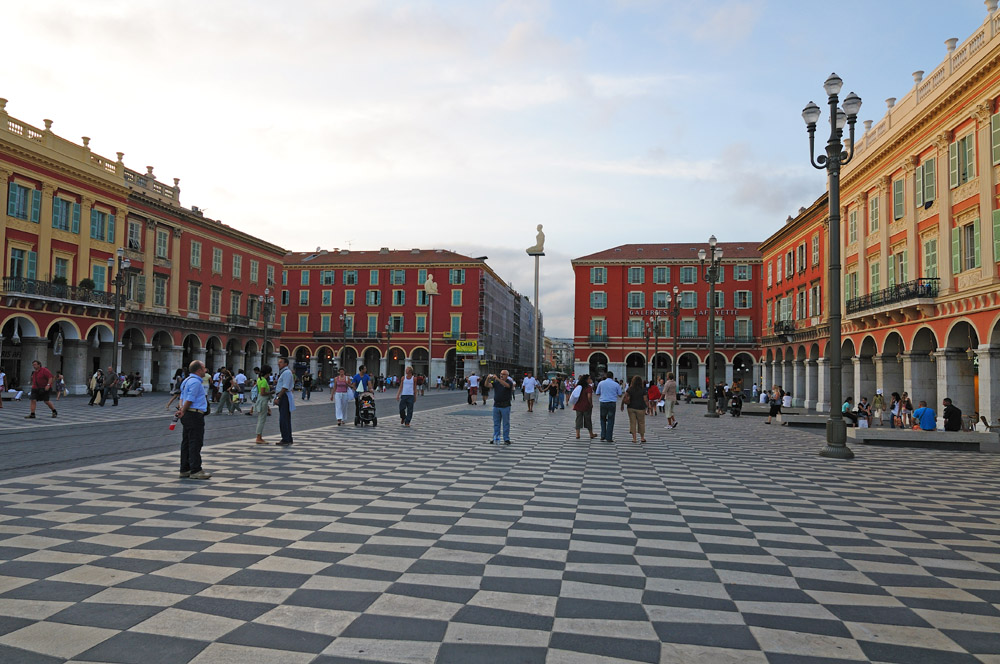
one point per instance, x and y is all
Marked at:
(635, 400)
(584, 405)
(340, 395)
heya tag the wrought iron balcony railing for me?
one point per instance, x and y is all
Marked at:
(241, 321)
(926, 287)
(784, 327)
(598, 339)
(47, 289)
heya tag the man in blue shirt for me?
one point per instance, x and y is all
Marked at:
(608, 391)
(191, 412)
(926, 417)
(283, 399)
(361, 382)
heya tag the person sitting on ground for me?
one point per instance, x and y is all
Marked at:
(925, 418)
(952, 416)
(845, 410)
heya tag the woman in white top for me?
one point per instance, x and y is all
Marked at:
(406, 395)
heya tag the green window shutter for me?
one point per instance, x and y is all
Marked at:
(897, 199)
(111, 228)
(891, 280)
(996, 235)
(11, 199)
(975, 242)
(930, 184)
(56, 213)
(970, 156)
(956, 252)
(76, 218)
(918, 182)
(953, 164)
(995, 135)
(32, 265)
(93, 223)
(36, 205)
(903, 274)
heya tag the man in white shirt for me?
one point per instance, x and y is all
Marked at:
(216, 382)
(529, 385)
(473, 389)
(240, 378)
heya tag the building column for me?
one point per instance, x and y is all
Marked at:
(254, 360)
(989, 389)
(848, 379)
(148, 249)
(768, 375)
(313, 365)
(438, 368)
(945, 216)
(75, 365)
(889, 375)
(196, 354)
(174, 290)
(383, 366)
(788, 377)
(799, 383)
(955, 380)
(920, 377)
(823, 385)
(702, 375)
(44, 271)
(174, 358)
(866, 379)
(987, 186)
(812, 385)
(236, 359)
(32, 348)
(145, 353)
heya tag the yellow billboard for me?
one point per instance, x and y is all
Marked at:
(467, 347)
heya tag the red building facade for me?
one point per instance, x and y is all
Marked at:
(624, 319)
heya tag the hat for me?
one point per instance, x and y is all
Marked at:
(878, 391)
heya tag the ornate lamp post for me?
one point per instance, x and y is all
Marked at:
(711, 275)
(266, 303)
(835, 157)
(655, 320)
(119, 281)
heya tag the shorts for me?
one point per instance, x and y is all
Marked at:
(529, 396)
(39, 394)
(668, 407)
(775, 410)
(473, 391)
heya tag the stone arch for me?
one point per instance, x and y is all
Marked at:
(102, 332)
(349, 359)
(962, 334)
(395, 361)
(418, 357)
(635, 365)
(814, 352)
(69, 328)
(687, 369)
(847, 348)
(372, 359)
(924, 341)
(598, 363)
(743, 366)
(920, 367)
(893, 344)
(25, 326)
(868, 347)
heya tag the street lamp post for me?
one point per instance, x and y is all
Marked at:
(343, 334)
(655, 320)
(648, 329)
(711, 275)
(835, 157)
(119, 281)
(266, 301)
(675, 312)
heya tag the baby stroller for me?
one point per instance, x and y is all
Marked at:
(366, 410)
(736, 405)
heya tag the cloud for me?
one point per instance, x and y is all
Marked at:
(730, 24)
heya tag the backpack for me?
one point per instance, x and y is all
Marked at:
(573, 398)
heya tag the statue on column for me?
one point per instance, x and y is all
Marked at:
(539, 248)
(430, 287)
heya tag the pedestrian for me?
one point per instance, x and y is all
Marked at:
(952, 416)
(175, 388)
(528, 385)
(845, 410)
(473, 384)
(225, 392)
(240, 379)
(97, 388)
(422, 383)
(41, 387)
(484, 388)
(720, 398)
(3, 385)
(636, 401)
(216, 384)
(755, 392)
(555, 397)
(234, 393)
(284, 401)
(582, 402)
(60, 385)
(361, 383)
(652, 398)
(925, 418)
(774, 402)
(878, 405)
(608, 391)
(339, 393)
(669, 398)
(259, 394)
(895, 408)
(307, 383)
(906, 411)
(503, 392)
(191, 413)
(406, 395)
(786, 399)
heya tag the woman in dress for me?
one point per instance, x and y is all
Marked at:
(584, 406)
(406, 395)
(635, 400)
(60, 386)
(339, 387)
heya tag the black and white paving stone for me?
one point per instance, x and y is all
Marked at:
(719, 541)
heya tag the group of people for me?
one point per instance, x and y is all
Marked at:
(106, 386)
(901, 413)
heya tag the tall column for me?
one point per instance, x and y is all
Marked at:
(910, 216)
(945, 215)
(823, 385)
(702, 375)
(75, 366)
(729, 373)
(768, 374)
(313, 365)
(255, 358)
(865, 372)
(888, 375)
(148, 249)
(984, 171)
(199, 354)
(174, 290)
(989, 387)
(144, 356)
(44, 271)
(174, 360)
(383, 366)
(920, 377)
(812, 385)
(32, 348)
(799, 383)
(788, 377)
(83, 239)
(956, 380)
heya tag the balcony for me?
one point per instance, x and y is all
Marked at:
(784, 327)
(50, 291)
(896, 303)
(688, 341)
(598, 339)
(241, 321)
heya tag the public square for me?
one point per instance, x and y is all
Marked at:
(720, 541)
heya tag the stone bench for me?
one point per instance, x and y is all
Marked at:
(799, 420)
(963, 440)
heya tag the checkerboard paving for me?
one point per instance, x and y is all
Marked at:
(719, 541)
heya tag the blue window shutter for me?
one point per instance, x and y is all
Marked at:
(56, 213)
(975, 235)
(76, 218)
(956, 253)
(32, 265)
(953, 164)
(36, 205)
(111, 228)
(93, 223)
(11, 199)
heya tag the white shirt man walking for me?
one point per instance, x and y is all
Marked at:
(530, 384)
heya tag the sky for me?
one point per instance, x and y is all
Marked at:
(463, 124)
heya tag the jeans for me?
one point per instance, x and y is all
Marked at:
(284, 419)
(306, 393)
(501, 416)
(191, 441)
(406, 402)
(608, 419)
(554, 402)
(111, 393)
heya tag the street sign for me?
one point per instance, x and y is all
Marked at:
(467, 347)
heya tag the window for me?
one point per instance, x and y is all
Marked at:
(303, 298)
(253, 310)
(786, 308)
(661, 275)
(852, 226)
(598, 275)
(373, 298)
(769, 314)
(456, 297)
(800, 257)
(217, 261)
(238, 268)
(597, 327)
(743, 299)
(896, 274)
(397, 277)
(720, 299)
(770, 274)
(372, 324)
(396, 323)
(215, 301)
(373, 277)
(284, 322)
(194, 290)
(102, 226)
(270, 275)
(874, 281)
(720, 275)
(635, 328)
(422, 297)
(304, 277)
(742, 272)
(689, 328)
(327, 277)
(162, 243)
(800, 308)
(598, 300)
(399, 297)
(195, 253)
(789, 264)
(995, 137)
(456, 325)
(965, 247)
(930, 257)
(660, 300)
(303, 322)
(421, 277)
(61, 268)
(689, 300)
(689, 275)
(24, 203)
(421, 323)
(134, 232)
(636, 275)
(851, 285)
(897, 199)
(925, 184)
(348, 298)
(159, 290)
(284, 298)
(254, 271)
(456, 277)
(327, 298)
(744, 328)
(778, 270)
(99, 273)
(962, 160)
(815, 303)
(636, 300)
(720, 328)
(348, 325)
(23, 265)
(65, 214)
(873, 212)
(284, 275)
(815, 250)
(324, 323)
(234, 303)
(350, 277)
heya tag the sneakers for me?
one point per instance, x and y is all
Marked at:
(284, 442)
(54, 412)
(506, 442)
(29, 416)
(199, 475)
(183, 475)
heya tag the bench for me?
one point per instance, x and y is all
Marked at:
(798, 420)
(961, 440)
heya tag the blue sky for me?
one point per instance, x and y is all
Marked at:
(462, 125)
